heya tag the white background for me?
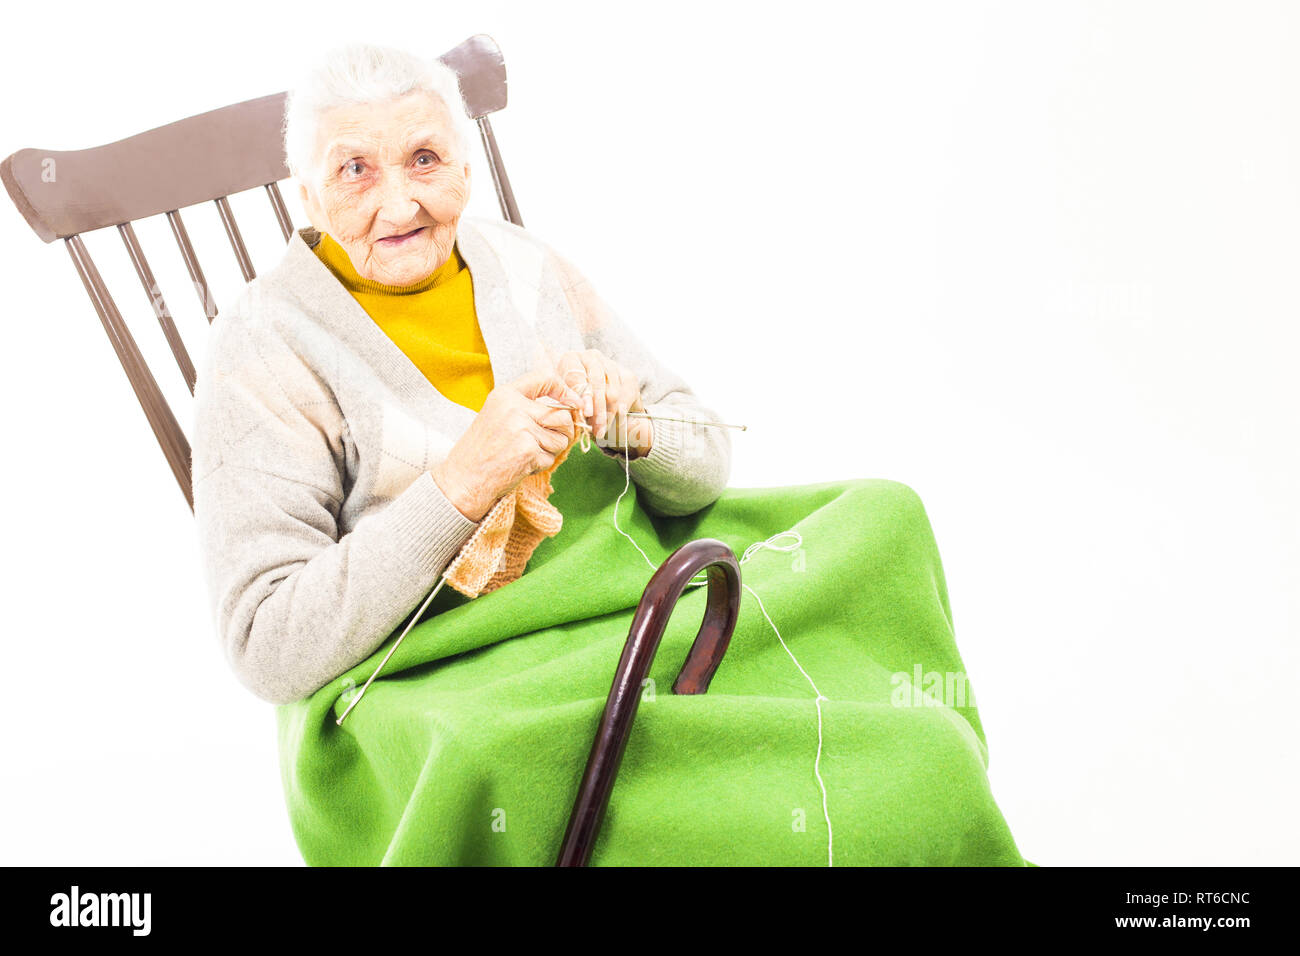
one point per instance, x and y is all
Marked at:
(1035, 260)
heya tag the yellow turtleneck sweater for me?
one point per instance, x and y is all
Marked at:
(433, 322)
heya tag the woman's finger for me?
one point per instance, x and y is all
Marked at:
(625, 388)
(555, 421)
(538, 384)
(551, 440)
(613, 400)
(595, 367)
(574, 374)
(558, 419)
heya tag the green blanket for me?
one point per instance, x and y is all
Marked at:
(469, 748)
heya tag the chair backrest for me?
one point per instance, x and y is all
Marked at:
(204, 158)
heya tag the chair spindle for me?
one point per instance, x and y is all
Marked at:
(236, 240)
(192, 264)
(154, 292)
(165, 427)
(281, 213)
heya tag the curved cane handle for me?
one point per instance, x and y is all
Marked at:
(648, 625)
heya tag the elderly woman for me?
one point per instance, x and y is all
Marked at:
(366, 405)
(372, 397)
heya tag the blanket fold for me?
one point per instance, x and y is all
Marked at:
(469, 748)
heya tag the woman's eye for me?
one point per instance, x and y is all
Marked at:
(348, 168)
(432, 159)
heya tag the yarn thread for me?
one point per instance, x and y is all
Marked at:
(702, 578)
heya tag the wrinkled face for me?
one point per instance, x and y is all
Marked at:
(390, 185)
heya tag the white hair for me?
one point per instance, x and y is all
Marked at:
(364, 73)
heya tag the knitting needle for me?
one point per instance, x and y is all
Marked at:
(689, 421)
(547, 400)
(414, 617)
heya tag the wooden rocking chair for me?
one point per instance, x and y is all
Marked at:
(208, 158)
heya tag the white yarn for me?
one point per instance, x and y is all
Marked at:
(768, 545)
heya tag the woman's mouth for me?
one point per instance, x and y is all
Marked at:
(403, 238)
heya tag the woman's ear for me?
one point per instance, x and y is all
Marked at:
(311, 207)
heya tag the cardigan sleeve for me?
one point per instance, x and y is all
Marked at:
(689, 465)
(295, 603)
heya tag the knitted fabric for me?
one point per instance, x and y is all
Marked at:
(498, 551)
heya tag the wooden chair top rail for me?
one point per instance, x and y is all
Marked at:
(193, 160)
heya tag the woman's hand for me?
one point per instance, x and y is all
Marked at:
(609, 392)
(513, 436)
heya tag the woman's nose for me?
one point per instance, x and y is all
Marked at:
(397, 202)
